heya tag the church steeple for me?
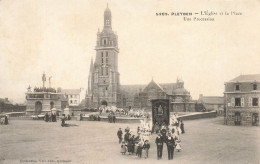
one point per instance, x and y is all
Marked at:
(104, 78)
(107, 19)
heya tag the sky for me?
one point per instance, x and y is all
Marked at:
(58, 37)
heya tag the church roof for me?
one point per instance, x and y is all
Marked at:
(246, 78)
(133, 89)
(180, 91)
(168, 87)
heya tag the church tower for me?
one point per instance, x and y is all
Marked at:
(104, 84)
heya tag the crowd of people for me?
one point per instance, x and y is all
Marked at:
(50, 118)
(133, 145)
(111, 117)
(140, 144)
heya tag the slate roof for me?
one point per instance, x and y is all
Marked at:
(212, 100)
(70, 91)
(246, 78)
(168, 87)
(134, 89)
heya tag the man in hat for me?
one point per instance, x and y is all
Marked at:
(159, 143)
(119, 135)
(163, 132)
(80, 116)
(146, 148)
(46, 117)
(170, 146)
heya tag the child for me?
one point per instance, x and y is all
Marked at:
(123, 148)
(178, 145)
(139, 149)
(146, 148)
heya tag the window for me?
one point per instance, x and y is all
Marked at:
(102, 58)
(237, 87)
(75, 101)
(102, 69)
(255, 87)
(105, 42)
(255, 102)
(106, 57)
(106, 70)
(71, 101)
(237, 102)
(71, 96)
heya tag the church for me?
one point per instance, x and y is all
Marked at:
(104, 86)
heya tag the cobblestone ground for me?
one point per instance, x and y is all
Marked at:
(205, 141)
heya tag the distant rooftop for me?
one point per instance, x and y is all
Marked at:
(246, 78)
(70, 91)
(212, 99)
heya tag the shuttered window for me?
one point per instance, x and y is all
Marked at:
(242, 102)
(250, 101)
(233, 102)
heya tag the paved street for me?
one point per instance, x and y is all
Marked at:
(205, 141)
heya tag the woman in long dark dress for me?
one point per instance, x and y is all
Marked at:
(6, 120)
(130, 145)
(182, 127)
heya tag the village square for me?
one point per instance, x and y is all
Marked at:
(109, 122)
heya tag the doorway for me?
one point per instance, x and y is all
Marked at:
(237, 118)
(255, 119)
(104, 103)
(38, 107)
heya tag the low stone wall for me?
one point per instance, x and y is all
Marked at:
(118, 119)
(198, 115)
(21, 118)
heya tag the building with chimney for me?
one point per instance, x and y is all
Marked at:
(241, 98)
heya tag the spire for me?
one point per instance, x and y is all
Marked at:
(107, 20)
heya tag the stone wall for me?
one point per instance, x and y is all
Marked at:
(199, 115)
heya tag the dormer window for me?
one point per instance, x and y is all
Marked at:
(255, 87)
(237, 87)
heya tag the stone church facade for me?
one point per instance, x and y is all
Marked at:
(104, 80)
